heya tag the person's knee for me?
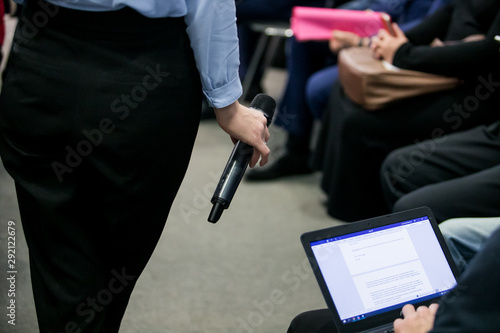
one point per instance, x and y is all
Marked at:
(318, 88)
(428, 196)
(397, 167)
(410, 201)
(301, 322)
(469, 230)
(454, 227)
(318, 321)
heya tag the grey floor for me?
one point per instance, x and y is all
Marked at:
(247, 273)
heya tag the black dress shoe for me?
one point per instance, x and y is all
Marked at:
(286, 165)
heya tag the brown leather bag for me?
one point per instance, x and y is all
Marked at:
(373, 85)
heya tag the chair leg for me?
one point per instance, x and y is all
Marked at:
(254, 64)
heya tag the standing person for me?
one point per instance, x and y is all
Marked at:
(2, 27)
(99, 113)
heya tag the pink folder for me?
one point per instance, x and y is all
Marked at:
(313, 23)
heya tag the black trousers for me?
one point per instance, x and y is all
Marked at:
(354, 142)
(99, 113)
(457, 175)
(315, 321)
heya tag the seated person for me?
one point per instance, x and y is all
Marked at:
(251, 11)
(306, 60)
(454, 175)
(471, 307)
(353, 142)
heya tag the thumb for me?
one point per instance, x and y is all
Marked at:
(337, 34)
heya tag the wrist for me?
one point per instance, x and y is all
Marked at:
(231, 108)
(225, 114)
(364, 42)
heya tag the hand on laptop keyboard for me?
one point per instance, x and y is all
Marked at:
(420, 320)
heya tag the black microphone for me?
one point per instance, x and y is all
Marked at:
(238, 162)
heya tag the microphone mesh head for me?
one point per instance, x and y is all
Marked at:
(264, 103)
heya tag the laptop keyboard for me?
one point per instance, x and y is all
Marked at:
(389, 331)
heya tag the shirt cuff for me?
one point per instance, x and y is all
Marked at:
(401, 55)
(225, 95)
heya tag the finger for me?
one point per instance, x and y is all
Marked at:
(333, 44)
(397, 324)
(260, 151)
(267, 135)
(434, 307)
(263, 161)
(375, 42)
(407, 310)
(254, 159)
(264, 158)
(382, 33)
(422, 309)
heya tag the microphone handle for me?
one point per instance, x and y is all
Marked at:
(233, 173)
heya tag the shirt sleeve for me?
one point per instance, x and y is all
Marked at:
(433, 26)
(211, 26)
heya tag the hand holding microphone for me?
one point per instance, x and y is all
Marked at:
(255, 133)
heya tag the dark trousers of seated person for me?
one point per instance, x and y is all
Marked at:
(315, 321)
(354, 142)
(99, 113)
(457, 175)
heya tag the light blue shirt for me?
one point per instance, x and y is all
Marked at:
(211, 26)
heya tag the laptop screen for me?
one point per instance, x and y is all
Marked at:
(377, 270)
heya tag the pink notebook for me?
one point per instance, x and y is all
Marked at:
(313, 23)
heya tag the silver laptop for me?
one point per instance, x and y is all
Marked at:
(368, 270)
